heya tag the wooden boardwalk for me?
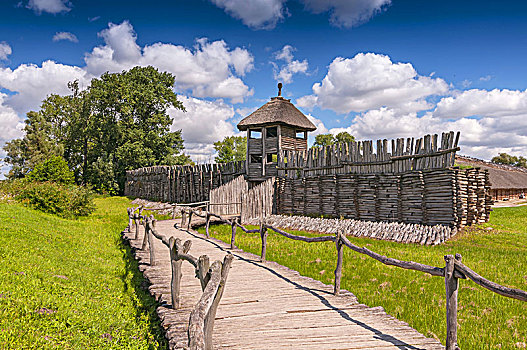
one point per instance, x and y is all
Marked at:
(268, 306)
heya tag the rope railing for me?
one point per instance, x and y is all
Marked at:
(453, 271)
(212, 277)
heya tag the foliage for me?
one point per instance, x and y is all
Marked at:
(486, 320)
(64, 200)
(329, 139)
(72, 284)
(120, 122)
(231, 148)
(504, 158)
(55, 169)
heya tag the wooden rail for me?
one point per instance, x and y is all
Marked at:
(212, 278)
(454, 269)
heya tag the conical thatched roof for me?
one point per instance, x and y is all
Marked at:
(277, 111)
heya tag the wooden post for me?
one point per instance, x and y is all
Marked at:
(207, 224)
(136, 226)
(263, 236)
(145, 237)
(151, 241)
(209, 319)
(183, 218)
(233, 234)
(203, 271)
(175, 283)
(189, 219)
(174, 212)
(338, 268)
(451, 284)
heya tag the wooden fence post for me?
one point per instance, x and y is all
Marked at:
(209, 319)
(451, 286)
(150, 221)
(174, 212)
(183, 218)
(263, 236)
(233, 233)
(136, 226)
(338, 268)
(145, 237)
(175, 283)
(203, 271)
(207, 224)
(189, 219)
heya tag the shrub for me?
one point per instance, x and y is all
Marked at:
(54, 198)
(55, 169)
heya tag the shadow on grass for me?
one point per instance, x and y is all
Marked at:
(145, 304)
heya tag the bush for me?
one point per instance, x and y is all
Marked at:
(54, 198)
(55, 169)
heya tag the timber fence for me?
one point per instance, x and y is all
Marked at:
(453, 271)
(212, 278)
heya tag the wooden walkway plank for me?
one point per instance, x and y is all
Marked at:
(268, 306)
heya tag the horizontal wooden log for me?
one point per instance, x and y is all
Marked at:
(302, 238)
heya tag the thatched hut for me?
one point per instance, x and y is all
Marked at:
(277, 125)
(507, 182)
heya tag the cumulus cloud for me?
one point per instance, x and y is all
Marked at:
(211, 69)
(203, 123)
(31, 83)
(370, 81)
(5, 50)
(49, 6)
(11, 127)
(256, 14)
(475, 102)
(65, 36)
(348, 13)
(284, 72)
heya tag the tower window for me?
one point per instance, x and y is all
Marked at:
(256, 158)
(301, 135)
(271, 132)
(255, 134)
(272, 157)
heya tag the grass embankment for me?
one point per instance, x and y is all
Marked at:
(486, 320)
(71, 284)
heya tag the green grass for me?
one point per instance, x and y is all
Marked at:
(486, 320)
(72, 284)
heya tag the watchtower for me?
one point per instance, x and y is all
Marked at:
(277, 125)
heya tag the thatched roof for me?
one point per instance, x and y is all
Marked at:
(500, 177)
(277, 111)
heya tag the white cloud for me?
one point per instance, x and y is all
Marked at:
(485, 78)
(371, 81)
(50, 6)
(212, 69)
(321, 128)
(203, 123)
(11, 127)
(475, 102)
(5, 50)
(32, 83)
(348, 13)
(65, 36)
(285, 72)
(256, 14)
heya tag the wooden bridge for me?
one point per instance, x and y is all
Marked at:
(267, 306)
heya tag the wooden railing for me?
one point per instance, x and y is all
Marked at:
(212, 278)
(454, 269)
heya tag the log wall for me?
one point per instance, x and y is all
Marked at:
(180, 184)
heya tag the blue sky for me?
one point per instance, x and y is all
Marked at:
(375, 68)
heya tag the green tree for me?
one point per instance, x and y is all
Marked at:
(231, 148)
(324, 140)
(120, 122)
(504, 158)
(344, 137)
(55, 169)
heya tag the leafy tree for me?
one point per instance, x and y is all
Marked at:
(120, 122)
(55, 169)
(324, 140)
(231, 148)
(344, 137)
(504, 158)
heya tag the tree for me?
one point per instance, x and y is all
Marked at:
(55, 169)
(504, 158)
(231, 148)
(329, 139)
(120, 122)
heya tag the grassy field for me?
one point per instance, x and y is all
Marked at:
(71, 284)
(486, 320)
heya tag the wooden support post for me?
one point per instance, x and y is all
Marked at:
(145, 237)
(175, 283)
(263, 236)
(183, 218)
(189, 219)
(136, 222)
(209, 319)
(451, 284)
(203, 271)
(207, 224)
(174, 212)
(338, 268)
(233, 233)
(151, 241)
